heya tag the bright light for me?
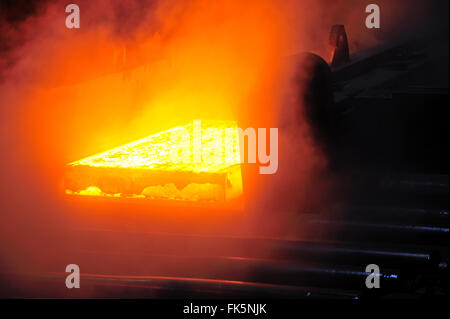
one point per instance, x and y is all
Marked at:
(198, 161)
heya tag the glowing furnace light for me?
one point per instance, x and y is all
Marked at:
(195, 162)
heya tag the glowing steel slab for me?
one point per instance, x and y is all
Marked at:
(195, 162)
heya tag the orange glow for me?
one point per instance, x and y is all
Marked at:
(148, 168)
(134, 70)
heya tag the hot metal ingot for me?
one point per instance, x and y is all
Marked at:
(208, 170)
